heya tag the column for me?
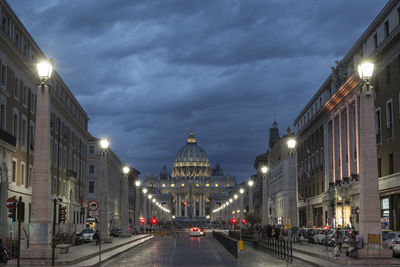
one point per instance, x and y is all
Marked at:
(179, 206)
(103, 209)
(348, 141)
(264, 206)
(137, 200)
(194, 206)
(176, 205)
(251, 208)
(200, 205)
(369, 190)
(241, 203)
(40, 226)
(203, 206)
(144, 206)
(186, 206)
(125, 208)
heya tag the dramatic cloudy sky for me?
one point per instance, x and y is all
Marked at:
(146, 71)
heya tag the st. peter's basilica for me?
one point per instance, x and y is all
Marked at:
(195, 188)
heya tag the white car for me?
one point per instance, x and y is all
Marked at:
(396, 244)
(196, 232)
(87, 234)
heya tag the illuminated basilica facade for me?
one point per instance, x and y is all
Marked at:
(194, 188)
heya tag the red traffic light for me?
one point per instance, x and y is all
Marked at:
(234, 221)
(184, 203)
(154, 221)
(244, 221)
(142, 221)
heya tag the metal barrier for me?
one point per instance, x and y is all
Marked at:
(229, 243)
(276, 247)
(235, 234)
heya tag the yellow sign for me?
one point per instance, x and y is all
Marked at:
(374, 238)
(240, 244)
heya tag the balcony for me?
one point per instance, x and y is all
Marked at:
(8, 138)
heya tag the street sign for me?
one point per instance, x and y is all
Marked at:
(93, 205)
(94, 213)
(11, 203)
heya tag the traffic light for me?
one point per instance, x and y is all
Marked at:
(142, 221)
(21, 211)
(183, 204)
(234, 221)
(61, 213)
(12, 211)
(244, 221)
(154, 221)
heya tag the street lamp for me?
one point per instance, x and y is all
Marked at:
(125, 203)
(264, 212)
(137, 202)
(104, 144)
(291, 144)
(41, 214)
(250, 183)
(137, 183)
(264, 170)
(235, 196)
(144, 190)
(241, 190)
(369, 185)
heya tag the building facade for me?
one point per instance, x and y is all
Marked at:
(329, 192)
(19, 54)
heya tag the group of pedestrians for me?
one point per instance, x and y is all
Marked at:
(355, 243)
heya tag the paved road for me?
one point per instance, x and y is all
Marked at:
(191, 251)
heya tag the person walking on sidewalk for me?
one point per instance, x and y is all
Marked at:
(338, 243)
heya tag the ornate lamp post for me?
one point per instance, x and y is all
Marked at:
(145, 204)
(291, 143)
(125, 203)
(40, 230)
(370, 227)
(241, 204)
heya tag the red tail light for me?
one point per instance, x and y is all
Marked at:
(397, 242)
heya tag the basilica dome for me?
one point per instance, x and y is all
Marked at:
(191, 160)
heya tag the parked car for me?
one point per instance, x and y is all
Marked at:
(396, 244)
(133, 230)
(387, 238)
(87, 235)
(319, 236)
(115, 232)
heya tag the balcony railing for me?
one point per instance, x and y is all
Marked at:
(8, 138)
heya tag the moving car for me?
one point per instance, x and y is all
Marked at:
(87, 234)
(196, 232)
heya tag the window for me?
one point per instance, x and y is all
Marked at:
(379, 167)
(25, 96)
(91, 186)
(14, 170)
(389, 118)
(3, 76)
(386, 28)
(24, 132)
(16, 88)
(387, 73)
(91, 168)
(378, 125)
(15, 125)
(2, 116)
(32, 137)
(30, 176)
(391, 163)
(375, 41)
(22, 173)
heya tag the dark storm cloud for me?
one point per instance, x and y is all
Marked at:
(148, 71)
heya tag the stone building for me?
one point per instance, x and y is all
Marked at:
(329, 124)
(19, 54)
(194, 188)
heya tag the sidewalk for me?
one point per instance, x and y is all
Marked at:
(323, 256)
(88, 254)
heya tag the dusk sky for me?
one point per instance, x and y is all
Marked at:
(147, 71)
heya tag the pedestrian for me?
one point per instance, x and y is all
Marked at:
(338, 240)
(352, 250)
(96, 236)
(277, 232)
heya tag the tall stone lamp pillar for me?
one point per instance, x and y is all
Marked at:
(125, 203)
(241, 204)
(251, 204)
(137, 203)
(40, 226)
(145, 205)
(103, 213)
(370, 227)
(264, 211)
